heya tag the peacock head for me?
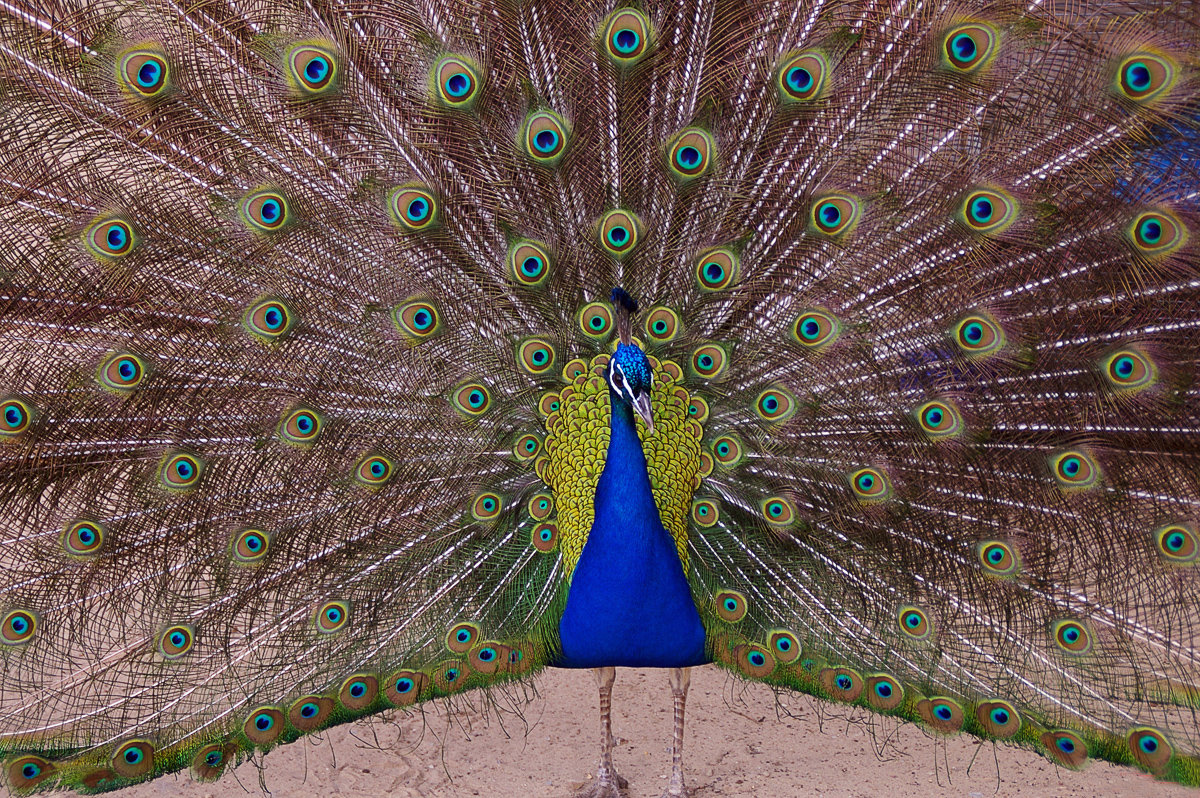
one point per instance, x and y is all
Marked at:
(630, 378)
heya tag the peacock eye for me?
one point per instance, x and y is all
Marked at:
(802, 78)
(456, 82)
(627, 37)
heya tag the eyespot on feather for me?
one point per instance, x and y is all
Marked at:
(134, 759)
(803, 76)
(312, 69)
(358, 692)
(627, 37)
(144, 73)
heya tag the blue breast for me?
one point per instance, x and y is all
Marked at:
(629, 603)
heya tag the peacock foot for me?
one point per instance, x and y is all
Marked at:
(677, 791)
(607, 784)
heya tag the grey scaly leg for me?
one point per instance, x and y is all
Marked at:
(608, 784)
(681, 678)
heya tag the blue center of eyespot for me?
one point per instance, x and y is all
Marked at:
(723, 449)
(452, 674)
(775, 509)
(316, 69)
(933, 417)
(1175, 541)
(617, 236)
(1071, 466)
(995, 554)
(273, 318)
(1066, 745)
(1000, 717)
(757, 659)
(531, 266)
(377, 468)
(263, 721)
(184, 469)
(404, 685)
(1148, 744)
(30, 770)
(943, 712)
(177, 639)
(625, 40)
(715, 272)
(253, 542)
(963, 46)
(417, 209)
(422, 319)
(358, 690)
(799, 79)
(1137, 75)
(333, 615)
(706, 362)
(213, 758)
(546, 535)
(116, 237)
(489, 505)
(540, 356)
(487, 654)
(545, 141)
(475, 398)
(981, 210)
(866, 482)
(13, 416)
(1071, 634)
(660, 326)
(148, 74)
(463, 635)
(1124, 366)
(731, 605)
(19, 624)
(771, 404)
(844, 682)
(830, 215)
(126, 369)
(688, 157)
(973, 332)
(86, 536)
(458, 84)
(702, 510)
(810, 329)
(133, 756)
(1150, 231)
(783, 644)
(309, 710)
(270, 211)
(883, 690)
(304, 423)
(912, 620)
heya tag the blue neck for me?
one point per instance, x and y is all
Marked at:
(629, 601)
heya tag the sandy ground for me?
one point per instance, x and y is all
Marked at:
(737, 744)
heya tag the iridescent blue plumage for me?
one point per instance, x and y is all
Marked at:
(629, 603)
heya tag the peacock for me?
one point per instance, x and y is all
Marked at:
(359, 353)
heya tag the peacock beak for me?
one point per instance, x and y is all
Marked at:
(641, 406)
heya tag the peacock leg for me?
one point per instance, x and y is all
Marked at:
(607, 784)
(681, 678)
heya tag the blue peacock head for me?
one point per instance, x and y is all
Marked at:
(630, 378)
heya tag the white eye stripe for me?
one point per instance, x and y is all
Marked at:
(612, 380)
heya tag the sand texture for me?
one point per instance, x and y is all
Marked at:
(737, 744)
